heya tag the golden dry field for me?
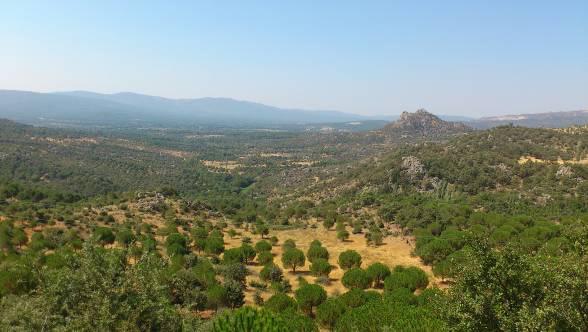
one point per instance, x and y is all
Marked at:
(396, 250)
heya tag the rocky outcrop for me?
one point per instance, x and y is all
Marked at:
(423, 124)
(150, 202)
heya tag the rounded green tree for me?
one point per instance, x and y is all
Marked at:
(377, 272)
(309, 296)
(293, 258)
(321, 268)
(349, 259)
(356, 278)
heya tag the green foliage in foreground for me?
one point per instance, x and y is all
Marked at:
(392, 313)
(95, 290)
(249, 319)
(508, 291)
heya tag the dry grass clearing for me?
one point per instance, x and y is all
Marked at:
(67, 141)
(138, 147)
(228, 165)
(275, 154)
(527, 159)
(394, 251)
(303, 163)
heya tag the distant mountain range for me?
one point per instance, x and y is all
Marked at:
(81, 108)
(540, 120)
(126, 109)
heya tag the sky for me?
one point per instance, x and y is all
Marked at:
(473, 58)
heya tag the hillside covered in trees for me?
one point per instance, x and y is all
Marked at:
(248, 230)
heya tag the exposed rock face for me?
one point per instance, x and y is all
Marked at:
(422, 123)
(412, 167)
(564, 171)
(150, 201)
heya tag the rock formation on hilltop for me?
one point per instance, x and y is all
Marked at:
(423, 124)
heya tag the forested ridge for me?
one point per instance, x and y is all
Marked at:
(153, 230)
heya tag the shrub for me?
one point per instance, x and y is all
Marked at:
(257, 298)
(354, 298)
(328, 223)
(149, 244)
(356, 278)
(288, 244)
(293, 258)
(232, 233)
(214, 245)
(175, 238)
(280, 302)
(200, 236)
(204, 273)
(216, 297)
(380, 315)
(235, 271)
(104, 235)
(435, 251)
(316, 243)
(265, 257)
(258, 284)
(329, 312)
(262, 246)
(309, 296)
(249, 319)
(125, 237)
(175, 249)
(234, 293)
(343, 235)
(248, 253)
(317, 251)
(281, 286)
(377, 272)
(261, 229)
(271, 272)
(411, 278)
(375, 237)
(349, 259)
(320, 268)
(232, 255)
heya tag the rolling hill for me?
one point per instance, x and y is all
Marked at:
(81, 108)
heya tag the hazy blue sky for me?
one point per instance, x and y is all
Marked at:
(371, 57)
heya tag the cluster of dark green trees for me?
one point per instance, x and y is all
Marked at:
(309, 307)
